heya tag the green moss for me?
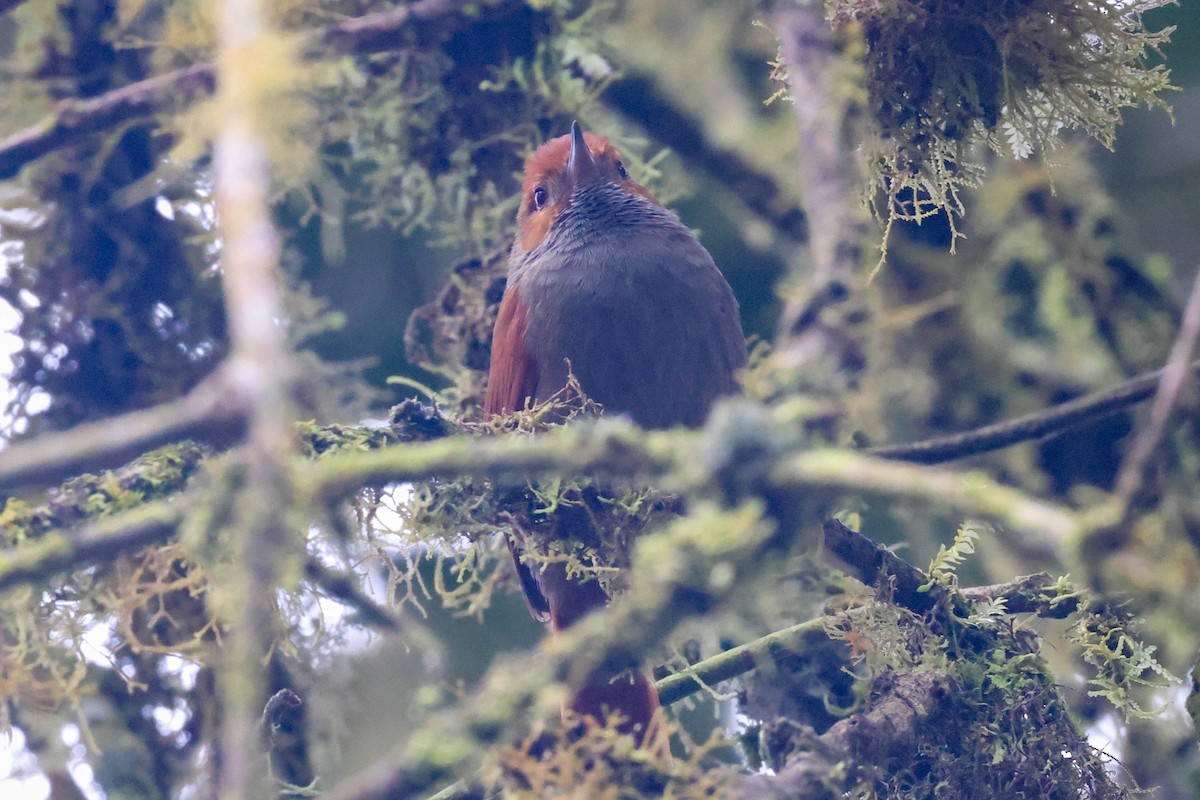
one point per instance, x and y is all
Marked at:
(947, 76)
(156, 474)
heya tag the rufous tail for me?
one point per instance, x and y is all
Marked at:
(628, 696)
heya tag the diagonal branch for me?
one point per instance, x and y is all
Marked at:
(736, 661)
(1171, 380)
(639, 98)
(74, 119)
(34, 562)
(344, 587)
(1030, 427)
(212, 410)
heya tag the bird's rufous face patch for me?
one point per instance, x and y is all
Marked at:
(547, 188)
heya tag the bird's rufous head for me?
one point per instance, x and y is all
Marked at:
(556, 169)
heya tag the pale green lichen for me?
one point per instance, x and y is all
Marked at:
(947, 76)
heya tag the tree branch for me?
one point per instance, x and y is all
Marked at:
(34, 562)
(1171, 381)
(212, 410)
(872, 564)
(639, 98)
(735, 661)
(1037, 594)
(971, 493)
(74, 119)
(344, 588)
(260, 369)
(681, 461)
(1037, 425)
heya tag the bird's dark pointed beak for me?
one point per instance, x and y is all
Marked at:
(580, 164)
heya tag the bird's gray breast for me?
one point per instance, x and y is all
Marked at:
(644, 318)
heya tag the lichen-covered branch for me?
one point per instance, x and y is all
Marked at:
(33, 562)
(1038, 594)
(682, 461)
(908, 587)
(971, 493)
(76, 118)
(735, 661)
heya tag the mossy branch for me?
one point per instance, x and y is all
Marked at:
(973, 493)
(32, 562)
(725, 456)
(872, 563)
(77, 118)
(735, 661)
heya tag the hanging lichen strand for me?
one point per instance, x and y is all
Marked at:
(946, 76)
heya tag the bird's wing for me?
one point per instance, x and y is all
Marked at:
(512, 382)
(513, 378)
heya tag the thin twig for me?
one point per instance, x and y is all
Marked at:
(344, 588)
(1171, 382)
(1030, 427)
(733, 662)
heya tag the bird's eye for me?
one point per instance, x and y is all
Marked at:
(539, 198)
(621, 170)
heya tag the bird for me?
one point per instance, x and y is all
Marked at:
(609, 287)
